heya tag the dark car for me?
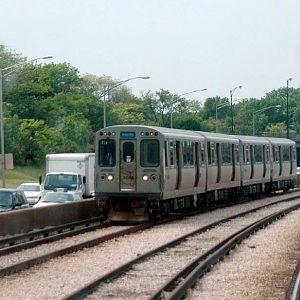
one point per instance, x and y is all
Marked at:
(12, 199)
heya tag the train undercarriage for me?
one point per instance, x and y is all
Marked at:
(143, 208)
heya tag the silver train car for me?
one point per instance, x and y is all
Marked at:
(145, 171)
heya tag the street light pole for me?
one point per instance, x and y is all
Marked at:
(200, 90)
(3, 160)
(107, 90)
(259, 111)
(231, 109)
(287, 108)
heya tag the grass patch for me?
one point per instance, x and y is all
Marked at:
(19, 175)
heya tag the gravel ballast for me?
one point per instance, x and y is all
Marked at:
(261, 267)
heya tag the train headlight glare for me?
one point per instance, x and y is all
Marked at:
(110, 177)
(145, 177)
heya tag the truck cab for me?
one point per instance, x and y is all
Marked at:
(66, 180)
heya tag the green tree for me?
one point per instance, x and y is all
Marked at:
(76, 133)
(36, 139)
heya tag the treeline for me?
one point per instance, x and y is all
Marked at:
(51, 108)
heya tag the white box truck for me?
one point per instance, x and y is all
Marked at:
(70, 171)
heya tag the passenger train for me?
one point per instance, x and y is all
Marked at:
(145, 171)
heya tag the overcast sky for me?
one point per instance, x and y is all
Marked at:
(181, 45)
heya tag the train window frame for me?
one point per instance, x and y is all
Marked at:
(258, 155)
(192, 153)
(286, 153)
(268, 154)
(185, 153)
(237, 154)
(166, 153)
(209, 153)
(202, 154)
(172, 146)
(226, 153)
(109, 157)
(148, 163)
(128, 155)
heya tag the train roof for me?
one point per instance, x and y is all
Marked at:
(208, 135)
(280, 141)
(252, 139)
(219, 136)
(162, 130)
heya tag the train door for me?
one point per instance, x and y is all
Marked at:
(252, 161)
(197, 162)
(280, 160)
(218, 157)
(233, 161)
(128, 165)
(291, 159)
(178, 165)
(264, 161)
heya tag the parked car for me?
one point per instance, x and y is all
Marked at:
(12, 199)
(52, 198)
(32, 192)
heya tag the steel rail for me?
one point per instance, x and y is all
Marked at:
(67, 250)
(210, 258)
(92, 286)
(52, 234)
(293, 292)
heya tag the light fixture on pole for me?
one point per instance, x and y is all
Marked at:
(171, 110)
(259, 111)
(106, 91)
(231, 109)
(287, 108)
(3, 166)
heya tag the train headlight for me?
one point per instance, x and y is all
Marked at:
(145, 177)
(153, 177)
(110, 177)
(102, 177)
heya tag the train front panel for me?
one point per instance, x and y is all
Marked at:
(128, 170)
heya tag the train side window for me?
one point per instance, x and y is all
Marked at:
(209, 153)
(237, 154)
(286, 153)
(213, 150)
(247, 154)
(107, 153)
(202, 153)
(226, 153)
(171, 150)
(258, 153)
(274, 150)
(294, 153)
(267, 154)
(150, 153)
(192, 153)
(166, 154)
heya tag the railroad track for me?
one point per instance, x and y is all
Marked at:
(145, 266)
(294, 288)
(34, 238)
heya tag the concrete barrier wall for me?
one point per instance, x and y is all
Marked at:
(25, 220)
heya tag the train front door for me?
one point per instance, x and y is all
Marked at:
(128, 166)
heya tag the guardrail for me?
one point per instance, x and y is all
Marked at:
(28, 219)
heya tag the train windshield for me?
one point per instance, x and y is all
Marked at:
(107, 153)
(149, 153)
